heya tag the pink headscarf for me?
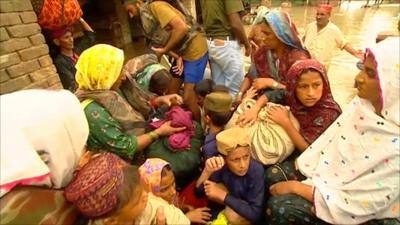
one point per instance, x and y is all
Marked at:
(150, 173)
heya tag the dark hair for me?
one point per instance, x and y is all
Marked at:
(130, 184)
(220, 88)
(219, 119)
(204, 87)
(159, 82)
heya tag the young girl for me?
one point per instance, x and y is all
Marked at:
(159, 179)
(109, 191)
(311, 102)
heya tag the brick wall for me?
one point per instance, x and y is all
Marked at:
(24, 56)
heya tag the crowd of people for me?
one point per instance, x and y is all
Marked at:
(135, 142)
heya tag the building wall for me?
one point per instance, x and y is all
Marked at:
(24, 56)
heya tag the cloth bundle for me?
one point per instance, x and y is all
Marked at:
(270, 143)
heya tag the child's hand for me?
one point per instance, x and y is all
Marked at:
(169, 100)
(214, 191)
(251, 93)
(280, 115)
(199, 215)
(214, 164)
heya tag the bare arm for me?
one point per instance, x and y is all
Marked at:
(280, 115)
(293, 187)
(85, 25)
(296, 137)
(238, 30)
(354, 52)
(179, 30)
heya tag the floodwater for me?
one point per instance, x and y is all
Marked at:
(360, 27)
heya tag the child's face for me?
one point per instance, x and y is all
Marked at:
(238, 160)
(135, 206)
(309, 88)
(167, 187)
(200, 100)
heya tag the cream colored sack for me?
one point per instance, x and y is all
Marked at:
(270, 143)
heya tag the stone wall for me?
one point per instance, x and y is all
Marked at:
(24, 56)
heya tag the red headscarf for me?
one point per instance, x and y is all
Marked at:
(316, 119)
(325, 7)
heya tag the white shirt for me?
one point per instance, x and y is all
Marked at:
(322, 44)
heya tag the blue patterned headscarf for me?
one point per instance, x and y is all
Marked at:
(283, 28)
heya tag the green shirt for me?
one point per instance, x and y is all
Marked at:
(215, 16)
(105, 133)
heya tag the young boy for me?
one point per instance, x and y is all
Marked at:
(242, 189)
(217, 112)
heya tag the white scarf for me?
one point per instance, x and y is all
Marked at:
(32, 120)
(355, 164)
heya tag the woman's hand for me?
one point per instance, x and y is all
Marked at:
(178, 68)
(283, 188)
(214, 191)
(169, 100)
(262, 83)
(248, 117)
(199, 215)
(279, 115)
(166, 129)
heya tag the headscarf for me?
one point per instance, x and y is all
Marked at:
(150, 173)
(313, 120)
(94, 191)
(98, 68)
(265, 63)
(40, 144)
(284, 29)
(355, 164)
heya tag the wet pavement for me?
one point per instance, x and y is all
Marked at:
(360, 27)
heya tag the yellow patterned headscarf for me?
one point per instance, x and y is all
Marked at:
(99, 67)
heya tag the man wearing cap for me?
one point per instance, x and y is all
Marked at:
(68, 51)
(217, 113)
(234, 180)
(322, 37)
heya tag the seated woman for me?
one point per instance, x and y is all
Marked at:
(108, 191)
(270, 63)
(309, 97)
(43, 135)
(113, 123)
(68, 51)
(352, 170)
(159, 180)
(234, 182)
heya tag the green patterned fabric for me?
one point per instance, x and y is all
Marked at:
(184, 163)
(34, 205)
(107, 134)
